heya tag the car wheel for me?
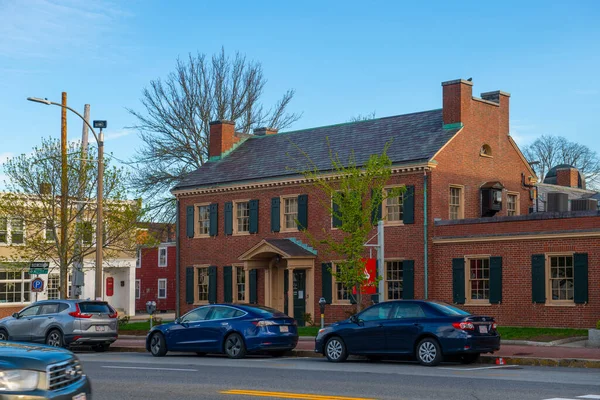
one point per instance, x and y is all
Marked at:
(335, 350)
(469, 358)
(277, 354)
(158, 345)
(234, 346)
(54, 338)
(200, 353)
(100, 348)
(3, 335)
(429, 352)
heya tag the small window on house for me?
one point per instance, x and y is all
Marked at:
(290, 213)
(15, 286)
(478, 280)
(53, 285)
(341, 294)
(512, 204)
(242, 212)
(240, 283)
(50, 231)
(393, 280)
(3, 230)
(394, 208)
(162, 288)
(138, 289)
(87, 234)
(17, 230)
(162, 256)
(561, 281)
(202, 284)
(456, 202)
(203, 220)
(138, 259)
(485, 151)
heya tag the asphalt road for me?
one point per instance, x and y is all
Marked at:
(118, 376)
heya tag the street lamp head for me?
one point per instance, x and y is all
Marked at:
(38, 100)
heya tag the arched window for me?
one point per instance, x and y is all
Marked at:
(486, 150)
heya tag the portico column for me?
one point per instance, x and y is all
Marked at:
(268, 286)
(290, 292)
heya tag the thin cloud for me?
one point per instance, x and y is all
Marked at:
(523, 133)
(118, 134)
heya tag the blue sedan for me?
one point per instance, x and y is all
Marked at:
(427, 330)
(235, 330)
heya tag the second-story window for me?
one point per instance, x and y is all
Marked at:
(162, 256)
(87, 234)
(50, 231)
(394, 208)
(204, 220)
(290, 212)
(242, 212)
(456, 202)
(17, 230)
(512, 206)
(3, 230)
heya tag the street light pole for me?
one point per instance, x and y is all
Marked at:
(64, 192)
(100, 186)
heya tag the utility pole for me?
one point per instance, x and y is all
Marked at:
(64, 192)
(99, 216)
(77, 276)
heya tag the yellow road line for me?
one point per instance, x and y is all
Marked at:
(287, 395)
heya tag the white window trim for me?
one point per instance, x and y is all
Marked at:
(547, 284)
(517, 204)
(9, 232)
(197, 300)
(461, 199)
(22, 280)
(197, 233)
(334, 299)
(282, 227)
(46, 231)
(138, 285)
(234, 282)
(385, 280)
(468, 300)
(138, 263)
(234, 218)
(384, 208)
(166, 263)
(159, 281)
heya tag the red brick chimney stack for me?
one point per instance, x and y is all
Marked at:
(222, 138)
(457, 95)
(568, 177)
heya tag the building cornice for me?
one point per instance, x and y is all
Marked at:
(526, 236)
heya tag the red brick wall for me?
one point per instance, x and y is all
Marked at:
(149, 273)
(568, 177)
(222, 137)
(7, 311)
(400, 241)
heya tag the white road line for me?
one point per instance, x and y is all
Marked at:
(559, 398)
(152, 369)
(481, 368)
(589, 396)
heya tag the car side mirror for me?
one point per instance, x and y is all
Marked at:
(354, 319)
(177, 321)
(16, 315)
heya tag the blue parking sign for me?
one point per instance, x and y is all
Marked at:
(37, 285)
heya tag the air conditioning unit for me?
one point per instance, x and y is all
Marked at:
(584, 205)
(557, 202)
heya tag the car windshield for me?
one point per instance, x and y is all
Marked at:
(449, 310)
(94, 308)
(266, 311)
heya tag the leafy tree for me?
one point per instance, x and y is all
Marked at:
(550, 151)
(174, 126)
(352, 194)
(33, 197)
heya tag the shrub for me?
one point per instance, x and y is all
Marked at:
(308, 321)
(156, 320)
(598, 324)
(124, 320)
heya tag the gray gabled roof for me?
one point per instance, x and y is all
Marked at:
(414, 138)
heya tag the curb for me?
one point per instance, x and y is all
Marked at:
(544, 344)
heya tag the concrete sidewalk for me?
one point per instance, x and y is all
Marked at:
(566, 355)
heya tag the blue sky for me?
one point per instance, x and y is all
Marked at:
(342, 58)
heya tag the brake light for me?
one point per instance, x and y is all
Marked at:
(263, 323)
(494, 326)
(77, 313)
(114, 313)
(464, 326)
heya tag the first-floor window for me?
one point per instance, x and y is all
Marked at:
(341, 293)
(512, 204)
(138, 288)
(202, 282)
(561, 277)
(240, 283)
(162, 288)
(14, 286)
(393, 280)
(53, 287)
(478, 279)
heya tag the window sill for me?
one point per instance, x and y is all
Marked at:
(289, 230)
(560, 304)
(341, 303)
(201, 303)
(393, 223)
(478, 304)
(485, 155)
(241, 234)
(200, 237)
(160, 266)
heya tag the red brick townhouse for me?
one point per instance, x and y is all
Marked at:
(238, 240)
(155, 274)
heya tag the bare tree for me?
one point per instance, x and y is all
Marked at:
(174, 126)
(550, 151)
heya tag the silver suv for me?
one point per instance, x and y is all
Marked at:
(63, 323)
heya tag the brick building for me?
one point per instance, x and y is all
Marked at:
(238, 238)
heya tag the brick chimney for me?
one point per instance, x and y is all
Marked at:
(265, 131)
(222, 138)
(568, 177)
(457, 95)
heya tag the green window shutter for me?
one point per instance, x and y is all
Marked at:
(580, 277)
(326, 282)
(336, 221)
(538, 278)
(228, 211)
(302, 211)
(495, 280)
(352, 298)
(275, 216)
(376, 214)
(189, 285)
(253, 228)
(408, 279)
(253, 287)
(214, 220)
(227, 284)
(212, 284)
(189, 221)
(408, 205)
(458, 280)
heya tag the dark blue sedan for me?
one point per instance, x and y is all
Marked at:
(235, 330)
(427, 330)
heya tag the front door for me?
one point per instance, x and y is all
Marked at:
(299, 296)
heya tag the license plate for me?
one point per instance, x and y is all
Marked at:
(483, 329)
(100, 329)
(284, 328)
(80, 396)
